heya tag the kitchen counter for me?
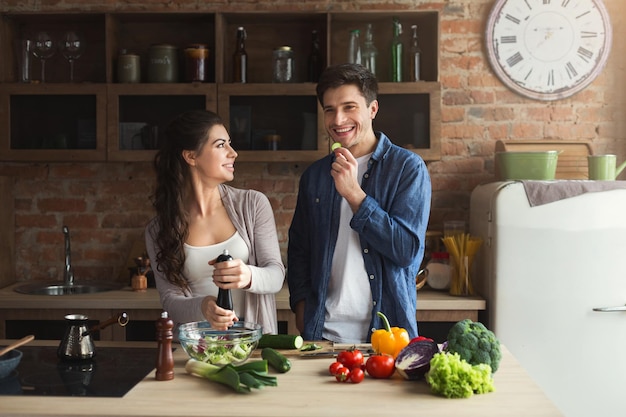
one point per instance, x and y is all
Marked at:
(306, 390)
(431, 306)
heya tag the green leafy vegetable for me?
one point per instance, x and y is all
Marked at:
(211, 349)
(242, 378)
(453, 377)
(474, 343)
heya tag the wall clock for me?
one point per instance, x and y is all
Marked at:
(548, 49)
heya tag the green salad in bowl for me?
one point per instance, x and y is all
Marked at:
(219, 347)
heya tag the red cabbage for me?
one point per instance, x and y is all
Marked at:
(414, 360)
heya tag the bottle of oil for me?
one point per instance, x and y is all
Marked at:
(396, 52)
(224, 297)
(414, 56)
(240, 58)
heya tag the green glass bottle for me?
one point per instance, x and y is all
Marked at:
(396, 52)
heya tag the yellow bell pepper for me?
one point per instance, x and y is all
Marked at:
(389, 340)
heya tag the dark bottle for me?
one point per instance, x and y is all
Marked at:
(396, 52)
(315, 58)
(224, 297)
(414, 56)
(165, 359)
(240, 58)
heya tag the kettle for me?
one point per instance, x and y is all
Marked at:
(77, 343)
(604, 167)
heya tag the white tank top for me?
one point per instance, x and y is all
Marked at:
(199, 273)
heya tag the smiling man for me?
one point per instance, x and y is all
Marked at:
(356, 240)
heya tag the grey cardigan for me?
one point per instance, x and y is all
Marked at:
(252, 216)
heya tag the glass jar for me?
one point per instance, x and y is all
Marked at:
(439, 271)
(283, 65)
(196, 62)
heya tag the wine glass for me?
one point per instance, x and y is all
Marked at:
(44, 47)
(72, 47)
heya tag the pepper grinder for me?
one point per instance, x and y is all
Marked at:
(224, 297)
(165, 359)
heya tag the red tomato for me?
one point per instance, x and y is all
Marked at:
(343, 374)
(380, 366)
(350, 358)
(334, 367)
(356, 375)
(357, 358)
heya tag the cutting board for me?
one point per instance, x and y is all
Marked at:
(326, 346)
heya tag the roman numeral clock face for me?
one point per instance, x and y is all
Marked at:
(548, 49)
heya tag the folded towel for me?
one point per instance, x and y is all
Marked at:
(544, 192)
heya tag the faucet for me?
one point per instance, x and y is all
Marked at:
(68, 273)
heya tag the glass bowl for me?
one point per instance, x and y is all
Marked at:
(219, 347)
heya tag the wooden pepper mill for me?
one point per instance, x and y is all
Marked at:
(165, 359)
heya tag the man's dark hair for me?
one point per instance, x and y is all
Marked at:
(348, 74)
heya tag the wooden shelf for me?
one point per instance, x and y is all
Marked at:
(289, 110)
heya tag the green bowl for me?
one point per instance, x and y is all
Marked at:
(539, 165)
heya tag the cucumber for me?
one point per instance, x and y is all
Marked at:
(281, 341)
(276, 360)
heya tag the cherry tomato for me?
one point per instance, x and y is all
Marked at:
(380, 366)
(357, 359)
(343, 374)
(334, 367)
(356, 375)
(350, 358)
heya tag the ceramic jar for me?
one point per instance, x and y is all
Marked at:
(163, 64)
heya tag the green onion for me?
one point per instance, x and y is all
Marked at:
(242, 378)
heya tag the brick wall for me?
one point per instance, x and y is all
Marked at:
(107, 205)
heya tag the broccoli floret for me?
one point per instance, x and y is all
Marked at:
(474, 343)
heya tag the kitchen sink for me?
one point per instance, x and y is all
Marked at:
(47, 288)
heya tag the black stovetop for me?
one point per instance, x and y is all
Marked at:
(112, 372)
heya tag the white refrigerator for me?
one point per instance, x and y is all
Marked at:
(545, 271)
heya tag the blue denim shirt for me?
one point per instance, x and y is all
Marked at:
(391, 223)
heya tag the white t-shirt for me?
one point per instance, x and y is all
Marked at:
(199, 273)
(349, 297)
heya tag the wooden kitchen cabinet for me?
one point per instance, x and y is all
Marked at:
(108, 116)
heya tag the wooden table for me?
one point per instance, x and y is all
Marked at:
(432, 306)
(306, 390)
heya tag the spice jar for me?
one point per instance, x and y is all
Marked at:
(128, 68)
(163, 64)
(439, 271)
(196, 62)
(139, 283)
(272, 142)
(283, 65)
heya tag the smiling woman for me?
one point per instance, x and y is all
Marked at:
(199, 217)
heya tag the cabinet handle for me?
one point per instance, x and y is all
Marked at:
(610, 309)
